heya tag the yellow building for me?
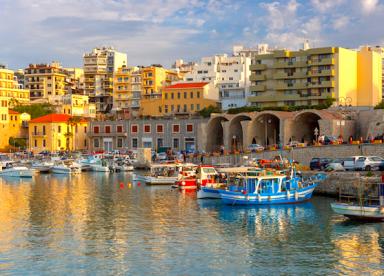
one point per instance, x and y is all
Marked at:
(309, 77)
(10, 95)
(153, 80)
(183, 98)
(55, 132)
(77, 105)
(46, 82)
(127, 91)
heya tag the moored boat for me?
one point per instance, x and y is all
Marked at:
(17, 171)
(160, 174)
(60, 167)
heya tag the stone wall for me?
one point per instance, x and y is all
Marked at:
(302, 155)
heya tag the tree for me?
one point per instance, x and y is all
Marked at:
(207, 111)
(35, 110)
(380, 105)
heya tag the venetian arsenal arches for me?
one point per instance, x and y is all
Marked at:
(306, 127)
(215, 133)
(236, 132)
(265, 130)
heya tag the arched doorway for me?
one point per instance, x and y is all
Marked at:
(266, 130)
(236, 132)
(215, 134)
(305, 126)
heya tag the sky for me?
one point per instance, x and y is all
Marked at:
(160, 31)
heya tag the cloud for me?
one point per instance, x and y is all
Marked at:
(326, 5)
(341, 22)
(369, 5)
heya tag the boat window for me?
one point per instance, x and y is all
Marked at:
(209, 170)
(268, 185)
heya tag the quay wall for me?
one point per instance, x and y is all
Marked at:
(302, 155)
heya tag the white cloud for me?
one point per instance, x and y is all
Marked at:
(326, 5)
(340, 22)
(369, 5)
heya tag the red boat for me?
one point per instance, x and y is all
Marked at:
(189, 177)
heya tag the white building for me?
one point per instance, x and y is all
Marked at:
(230, 74)
(99, 66)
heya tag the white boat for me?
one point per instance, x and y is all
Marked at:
(62, 168)
(17, 171)
(42, 167)
(354, 211)
(165, 174)
(100, 166)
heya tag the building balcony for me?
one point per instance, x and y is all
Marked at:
(260, 77)
(39, 134)
(258, 88)
(321, 73)
(323, 84)
(289, 64)
(323, 61)
(281, 97)
(254, 67)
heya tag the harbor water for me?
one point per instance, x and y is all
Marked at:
(102, 224)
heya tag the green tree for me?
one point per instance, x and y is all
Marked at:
(35, 110)
(207, 111)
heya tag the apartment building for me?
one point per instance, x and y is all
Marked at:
(56, 132)
(77, 105)
(10, 95)
(99, 66)
(46, 82)
(310, 76)
(127, 91)
(74, 82)
(180, 134)
(230, 74)
(153, 80)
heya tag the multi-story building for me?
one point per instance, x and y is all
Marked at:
(99, 66)
(46, 82)
(310, 76)
(56, 132)
(10, 95)
(230, 74)
(77, 105)
(153, 80)
(74, 82)
(127, 91)
(180, 134)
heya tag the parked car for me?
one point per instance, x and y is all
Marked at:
(335, 165)
(162, 156)
(319, 163)
(350, 163)
(255, 147)
(368, 163)
(330, 140)
(294, 144)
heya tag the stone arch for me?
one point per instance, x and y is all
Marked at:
(215, 133)
(265, 129)
(236, 131)
(304, 125)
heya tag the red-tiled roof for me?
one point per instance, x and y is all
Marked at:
(10, 111)
(53, 118)
(187, 85)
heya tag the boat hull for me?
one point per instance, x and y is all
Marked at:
(186, 184)
(206, 192)
(358, 212)
(18, 173)
(237, 198)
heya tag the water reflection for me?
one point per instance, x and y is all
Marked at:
(107, 224)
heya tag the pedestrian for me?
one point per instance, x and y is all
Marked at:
(202, 159)
(222, 150)
(184, 156)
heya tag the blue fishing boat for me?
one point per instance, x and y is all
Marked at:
(269, 188)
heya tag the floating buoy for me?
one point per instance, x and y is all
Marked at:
(121, 185)
(138, 184)
(129, 185)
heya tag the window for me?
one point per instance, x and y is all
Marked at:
(166, 108)
(191, 95)
(185, 108)
(147, 128)
(44, 143)
(189, 127)
(175, 128)
(35, 129)
(95, 129)
(175, 143)
(160, 142)
(107, 129)
(172, 96)
(166, 96)
(120, 142)
(85, 129)
(185, 95)
(192, 107)
(119, 129)
(198, 94)
(35, 143)
(134, 128)
(134, 143)
(59, 143)
(85, 143)
(197, 107)
(178, 95)
(96, 143)
(43, 130)
(159, 128)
